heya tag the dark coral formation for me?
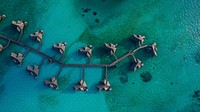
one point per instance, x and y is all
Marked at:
(97, 20)
(197, 94)
(94, 13)
(86, 10)
(124, 79)
(197, 57)
(146, 76)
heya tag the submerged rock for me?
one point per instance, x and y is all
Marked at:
(124, 79)
(197, 57)
(86, 10)
(97, 20)
(197, 94)
(146, 76)
(94, 13)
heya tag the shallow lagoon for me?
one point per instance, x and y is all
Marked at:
(174, 26)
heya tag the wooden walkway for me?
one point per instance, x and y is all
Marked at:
(7, 45)
(42, 62)
(120, 59)
(20, 36)
(59, 61)
(10, 40)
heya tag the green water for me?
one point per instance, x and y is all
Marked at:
(173, 25)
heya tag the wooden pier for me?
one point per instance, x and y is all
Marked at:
(7, 45)
(59, 61)
(69, 65)
(20, 36)
(60, 70)
(40, 65)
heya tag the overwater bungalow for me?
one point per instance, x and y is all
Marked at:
(60, 47)
(104, 85)
(20, 24)
(37, 35)
(136, 64)
(87, 50)
(33, 70)
(1, 47)
(111, 48)
(81, 86)
(152, 49)
(17, 58)
(138, 39)
(2, 17)
(53, 83)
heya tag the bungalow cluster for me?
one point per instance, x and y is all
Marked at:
(110, 48)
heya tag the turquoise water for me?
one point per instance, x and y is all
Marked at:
(173, 25)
